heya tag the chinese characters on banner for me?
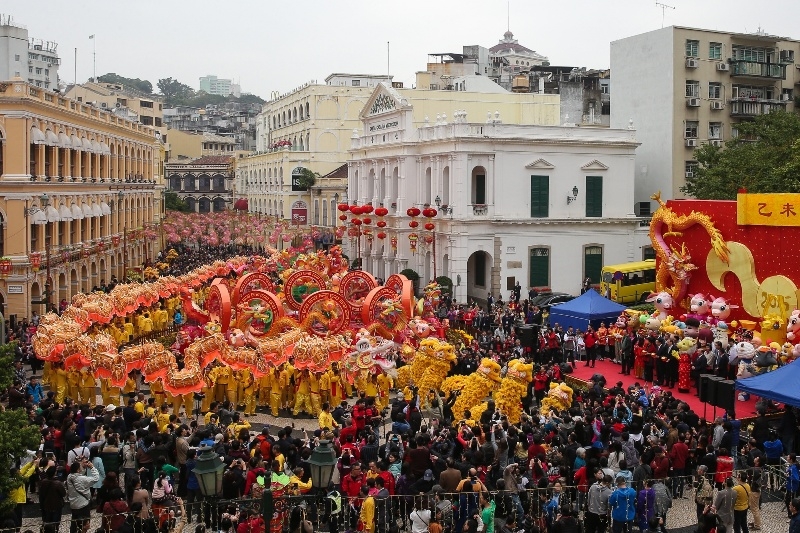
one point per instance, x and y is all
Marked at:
(768, 209)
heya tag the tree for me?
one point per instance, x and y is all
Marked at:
(307, 178)
(174, 92)
(173, 203)
(135, 83)
(17, 434)
(763, 158)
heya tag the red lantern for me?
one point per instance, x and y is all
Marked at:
(413, 224)
(66, 255)
(36, 260)
(343, 208)
(5, 266)
(381, 211)
(430, 226)
(355, 209)
(356, 221)
(115, 240)
(428, 239)
(381, 223)
(393, 241)
(413, 212)
(367, 221)
(101, 245)
(84, 250)
(342, 217)
(381, 235)
(367, 209)
(429, 212)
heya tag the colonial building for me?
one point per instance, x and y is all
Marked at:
(205, 184)
(123, 101)
(311, 127)
(185, 146)
(545, 206)
(102, 177)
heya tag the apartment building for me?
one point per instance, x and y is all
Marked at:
(21, 56)
(685, 87)
(123, 101)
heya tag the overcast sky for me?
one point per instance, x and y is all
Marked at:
(276, 46)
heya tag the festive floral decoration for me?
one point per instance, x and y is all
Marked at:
(412, 241)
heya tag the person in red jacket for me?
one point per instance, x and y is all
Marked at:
(590, 342)
(253, 524)
(660, 464)
(540, 380)
(678, 455)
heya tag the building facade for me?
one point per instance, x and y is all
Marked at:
(102, 176)
(122, 101)
(186, 145)
(687, 87)
(545, 206)
(220, 86)
(205, 184)
(23, 57)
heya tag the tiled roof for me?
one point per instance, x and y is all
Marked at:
(340, 172)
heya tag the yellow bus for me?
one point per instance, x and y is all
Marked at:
(628, 283)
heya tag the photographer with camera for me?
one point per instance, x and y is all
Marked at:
(82, 475)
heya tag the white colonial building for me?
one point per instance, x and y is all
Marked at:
(543, 205)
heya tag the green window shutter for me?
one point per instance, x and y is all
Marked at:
(539, 267)
(593, 263)
(480, 189)
(594, 196)
(540, 196)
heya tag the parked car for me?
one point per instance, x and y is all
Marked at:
(544, 301)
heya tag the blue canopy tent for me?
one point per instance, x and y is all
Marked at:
(588, 308)
(779, 385)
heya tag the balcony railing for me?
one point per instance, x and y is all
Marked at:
(755, 69)
(750, 107)
(480, 209)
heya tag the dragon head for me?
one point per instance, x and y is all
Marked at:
(489, 369)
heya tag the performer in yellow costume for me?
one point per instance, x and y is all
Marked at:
(222, 376)
(287, 390)
(302, 401)
(385, 384)
(58, 382)
(73, 385)
(264, 387)
(275, 391)
(325, 387)
(110, 394)
(316, 404)
(157, 392)
(208, 391)
(231, 392)
(160, 318)
(128, 330)
(88, 390)
(248, 392)
(336, 386)
(145, 324)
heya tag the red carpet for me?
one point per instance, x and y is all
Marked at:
(611, 372)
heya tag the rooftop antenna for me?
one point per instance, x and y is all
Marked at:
(663, 7)
(508, 15)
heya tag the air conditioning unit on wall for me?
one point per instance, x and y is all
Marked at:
(691, 143)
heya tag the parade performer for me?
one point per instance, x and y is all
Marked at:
(231, 389)
(385, 384)
(302, 400)
(87, 387)
(58, 382)
(513, 388)
(156, 391)
(287, 386)
(73, 384)
(336, 389)
(264, 389)
(316, 403)
(687, 347)
(248, 392)
(275, 391)
(478, 385)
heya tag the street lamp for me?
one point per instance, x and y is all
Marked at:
(208, 471)
(120, 198)
(44, 201)
(322, 462)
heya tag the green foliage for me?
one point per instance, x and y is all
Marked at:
(446, 283)
(647, 308)
(411, 274)
(307, 178)
(135, 83)
(764, 158)
(177, 93)
(173, 203)
(17, 434)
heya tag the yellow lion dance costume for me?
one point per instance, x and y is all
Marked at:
(513, 388)
(428, 368)
(474, 389)
(559, 397)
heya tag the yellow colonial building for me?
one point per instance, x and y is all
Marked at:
(80, 192)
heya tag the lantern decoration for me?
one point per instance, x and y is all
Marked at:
(413, 212)
(66, 254)
(430, 226)
(428, 239)
(101, 245)
(356, 210)
(84, 250)
(367, 221)
(367, 209)
(412, 241)
(343, 217)
(429, 212)
(115, 240)
(344, 208)
(393, 242)
(381, 223)
(353, 232)
(5, 266)
(381, 235)
(381, 211)
(339, 231)
(356, 221)
(35, 259)
(413, 224)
